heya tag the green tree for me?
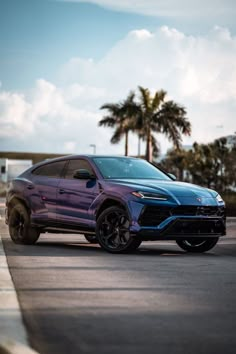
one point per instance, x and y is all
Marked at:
(175, 162)
(230, 168)
(212, 165)
(121, 117)
(155, 115)
(200, 164)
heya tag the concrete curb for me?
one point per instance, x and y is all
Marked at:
(8, 346)
(13, 336)
(231, 219)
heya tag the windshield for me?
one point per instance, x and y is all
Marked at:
(123, 167)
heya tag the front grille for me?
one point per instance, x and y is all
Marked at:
(153, 216)
(198, 210)
(199, 227)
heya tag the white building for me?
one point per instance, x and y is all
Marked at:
(10, 168)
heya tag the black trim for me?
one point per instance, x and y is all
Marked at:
(55, 227)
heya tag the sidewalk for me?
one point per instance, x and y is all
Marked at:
(13, 337)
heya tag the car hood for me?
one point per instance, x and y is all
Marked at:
(177, 189)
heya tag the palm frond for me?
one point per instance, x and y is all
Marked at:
(117, 136)
(158, 99)
(145, 98)
(173, 123)
(107, 121)
(155, 146)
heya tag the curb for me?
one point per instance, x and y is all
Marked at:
(13, 335)
(8, 346)
(231, 219)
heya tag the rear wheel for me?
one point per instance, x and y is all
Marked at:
(91, 238)
(197, 245)
(113, 231)
(19, 226)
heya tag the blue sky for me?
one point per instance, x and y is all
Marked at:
(37, 36)
(61, 60)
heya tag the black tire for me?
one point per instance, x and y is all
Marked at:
(20, 229)
(91, 238)
(197, 245)
(113, 233)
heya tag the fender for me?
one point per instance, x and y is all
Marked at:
(106, 201)
(14, 198)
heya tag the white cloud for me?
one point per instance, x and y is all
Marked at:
(202, 68)
(70, 146)
(170, 8)
(46, 120)
(197, 71)
(14, 112)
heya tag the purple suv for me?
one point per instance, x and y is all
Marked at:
(115, 201)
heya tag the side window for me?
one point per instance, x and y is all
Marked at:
(74, 165)
(53, 169)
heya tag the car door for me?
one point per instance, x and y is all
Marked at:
(75, 196)
(42, 191)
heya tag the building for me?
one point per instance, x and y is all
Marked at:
(11, 168)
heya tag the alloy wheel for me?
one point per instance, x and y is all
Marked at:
(114, 229)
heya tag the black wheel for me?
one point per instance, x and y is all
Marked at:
(91, 238)
(113, 231)
(197, 245)
(19, 226)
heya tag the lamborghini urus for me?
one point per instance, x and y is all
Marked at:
(117, 202)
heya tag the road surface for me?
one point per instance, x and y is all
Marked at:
(76, 298)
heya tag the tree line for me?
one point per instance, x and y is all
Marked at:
(212, 165)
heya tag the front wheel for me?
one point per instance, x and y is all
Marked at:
(197, 245)
(113, 232)
(19, 226)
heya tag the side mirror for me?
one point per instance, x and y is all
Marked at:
(172, 176)
(83, 174)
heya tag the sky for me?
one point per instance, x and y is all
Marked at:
(61, 60)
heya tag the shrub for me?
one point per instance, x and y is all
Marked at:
(230, 201)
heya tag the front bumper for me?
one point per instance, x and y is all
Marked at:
(181, 227)
(173, 222)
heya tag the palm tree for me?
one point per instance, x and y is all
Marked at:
(156, 115)
(121, 116)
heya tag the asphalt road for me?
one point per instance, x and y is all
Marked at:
(76, 298)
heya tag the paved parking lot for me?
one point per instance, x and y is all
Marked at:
(76, 298)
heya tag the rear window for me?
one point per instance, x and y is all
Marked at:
(53, 169)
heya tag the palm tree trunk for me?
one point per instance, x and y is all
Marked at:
(139, 145)
(126, 143)
(149, 147)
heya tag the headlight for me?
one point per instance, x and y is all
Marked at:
(219, 199)
(148, 195)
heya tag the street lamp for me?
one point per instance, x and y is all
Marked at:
(94, 148)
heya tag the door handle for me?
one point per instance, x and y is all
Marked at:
(61, 191)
